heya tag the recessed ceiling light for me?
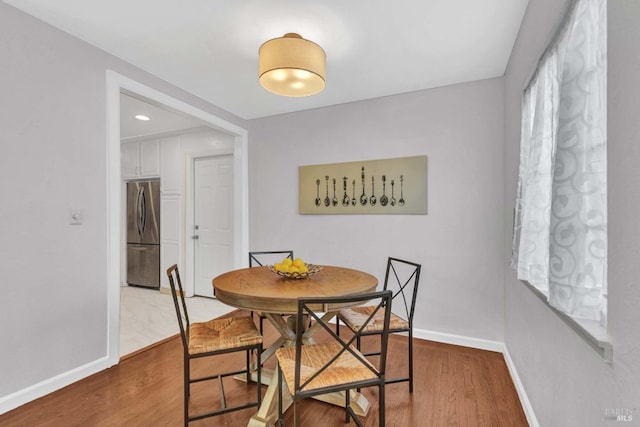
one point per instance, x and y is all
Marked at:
(141, 117)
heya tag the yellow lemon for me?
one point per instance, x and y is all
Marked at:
(304, 269)
(298, 262)
(294, 269)
(277, 266)
(287, 262)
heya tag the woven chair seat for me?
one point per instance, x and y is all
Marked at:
(401, 278)
(222, 334)
(355, 317)
(343, 370)
(210, 339)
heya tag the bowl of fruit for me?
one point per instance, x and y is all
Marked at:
(294, 269)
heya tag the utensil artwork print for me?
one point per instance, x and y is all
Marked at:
(393, 199)
(363, 197)
(384, 199)
(392, 186)
(372, 199)
(353, 194)
(327, 201)
(318, 201)
(345, 197)
(349, 202)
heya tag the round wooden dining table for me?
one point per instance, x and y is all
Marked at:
(261, 290)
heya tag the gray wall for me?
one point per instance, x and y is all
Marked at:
(53, 303)
(567, 383)
(458, 243)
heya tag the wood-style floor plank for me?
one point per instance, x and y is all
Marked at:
(453, 386)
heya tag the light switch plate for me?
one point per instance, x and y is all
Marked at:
(75, 217)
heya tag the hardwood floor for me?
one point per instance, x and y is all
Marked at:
(453, 386)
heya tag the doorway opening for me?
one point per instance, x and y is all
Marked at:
(117, 84)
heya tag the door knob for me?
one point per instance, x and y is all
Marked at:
(196, 237)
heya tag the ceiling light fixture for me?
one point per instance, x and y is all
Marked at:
(141, 117)
(292, 66)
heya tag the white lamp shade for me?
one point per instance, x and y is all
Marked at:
(292, 66)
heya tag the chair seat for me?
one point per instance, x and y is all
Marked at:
(222, 334)
(355, 317)
(343, 370)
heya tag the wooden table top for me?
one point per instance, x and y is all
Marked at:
(259, 289)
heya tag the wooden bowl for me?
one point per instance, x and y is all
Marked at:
(312, 269)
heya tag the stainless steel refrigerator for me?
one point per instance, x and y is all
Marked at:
(143, 233)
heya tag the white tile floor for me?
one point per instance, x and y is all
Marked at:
(148, 316)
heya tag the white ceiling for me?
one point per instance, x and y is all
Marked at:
(374, 47)
(161, 120)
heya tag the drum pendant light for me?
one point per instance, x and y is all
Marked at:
(292, 66)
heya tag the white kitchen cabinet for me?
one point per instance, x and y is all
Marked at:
(130, 157)
(141, 159)
(171, 165)
(171, 226)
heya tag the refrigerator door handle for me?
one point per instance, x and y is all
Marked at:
(144, 211)
(141, 203)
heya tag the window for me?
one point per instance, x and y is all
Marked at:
(560, 226)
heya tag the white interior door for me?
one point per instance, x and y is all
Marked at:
(213, 220)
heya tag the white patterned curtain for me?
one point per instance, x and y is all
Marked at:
(560, 227)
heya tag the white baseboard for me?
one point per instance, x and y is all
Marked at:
(19, 398)
(524, 399)
(442, 337)
(489, 345)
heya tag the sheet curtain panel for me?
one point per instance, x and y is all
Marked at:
(560, 224)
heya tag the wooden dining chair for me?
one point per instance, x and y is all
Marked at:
(310, 369)
(402, 278)
(212, 338)
(260, 259)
